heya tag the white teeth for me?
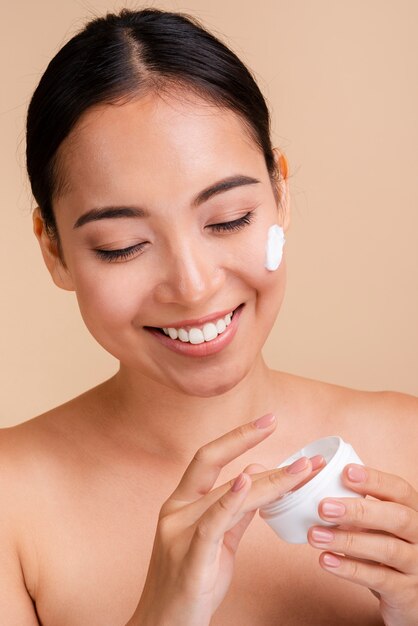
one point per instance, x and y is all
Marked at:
(183, 334)
(198, 335)
(210, 331)
(173, 333)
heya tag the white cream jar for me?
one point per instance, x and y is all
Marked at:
(294, 513)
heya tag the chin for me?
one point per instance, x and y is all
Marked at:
(209, 385)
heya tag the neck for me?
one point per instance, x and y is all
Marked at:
(171, 424)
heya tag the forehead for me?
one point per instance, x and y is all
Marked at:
(154, 139)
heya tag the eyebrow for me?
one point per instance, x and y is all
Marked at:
(221, 186)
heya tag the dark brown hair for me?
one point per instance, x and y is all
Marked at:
(125, 55)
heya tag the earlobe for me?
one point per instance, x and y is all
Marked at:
(50, 252)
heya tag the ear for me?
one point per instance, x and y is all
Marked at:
(50, 251)
(282, 186)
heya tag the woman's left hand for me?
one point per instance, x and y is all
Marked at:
(380, 545)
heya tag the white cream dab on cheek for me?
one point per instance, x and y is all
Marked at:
(274, 247)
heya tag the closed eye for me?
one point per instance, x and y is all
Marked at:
(115, 255)
(235, 225)
(126, 253)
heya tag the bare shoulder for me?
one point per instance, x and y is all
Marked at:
(30, 456)
(68, 420)
(390, 407)
(389, 423)
(23, 475)
(387, 416)
(17, 591)
(32, 450)
(381, 425)
(40, 460)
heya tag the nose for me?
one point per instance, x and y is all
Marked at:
(191, 276)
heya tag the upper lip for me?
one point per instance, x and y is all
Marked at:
(199, 321)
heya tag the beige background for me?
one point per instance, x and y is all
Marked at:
(341, 78)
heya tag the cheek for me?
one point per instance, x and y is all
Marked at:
(108, 298)
(250, 260)
(271, 295)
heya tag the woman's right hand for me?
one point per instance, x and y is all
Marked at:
(199, 529)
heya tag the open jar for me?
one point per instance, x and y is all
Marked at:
(295, 512)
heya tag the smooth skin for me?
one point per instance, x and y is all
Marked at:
(96, 476)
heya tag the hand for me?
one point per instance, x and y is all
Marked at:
(199, 530)
(380, 547)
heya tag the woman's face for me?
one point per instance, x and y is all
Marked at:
(156, 156)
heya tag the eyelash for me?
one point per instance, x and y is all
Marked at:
(125, 253)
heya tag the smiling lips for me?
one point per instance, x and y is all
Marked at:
(200, 321)
(207, 347)
(202, 330)
(195, 335)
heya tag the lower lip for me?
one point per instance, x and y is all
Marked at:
(207, 348)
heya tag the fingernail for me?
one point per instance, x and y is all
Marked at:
(265, 421)
(356, 474)
(239, 482)
(333, 509)
(331, 560)
(321, 535)
(317, 461)
(298, 466)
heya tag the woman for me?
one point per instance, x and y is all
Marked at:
(149, 156)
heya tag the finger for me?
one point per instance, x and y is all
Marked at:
(385, 549)
(229, 509)
(379, 578)
(369, 481)
(210, 529)
(207, 463)
(233, 536)
(192, 512)
(277, 483)
(390, 517)
(254, 469)
(318, 463)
